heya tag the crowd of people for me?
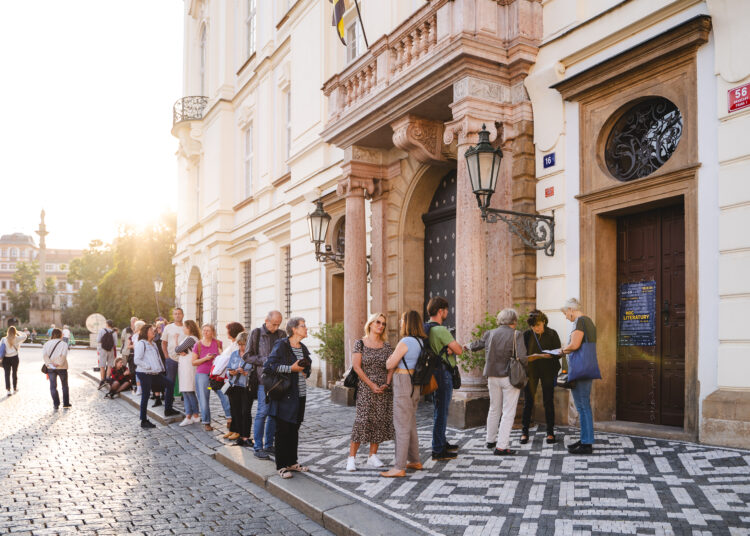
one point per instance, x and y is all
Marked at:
(271, 365)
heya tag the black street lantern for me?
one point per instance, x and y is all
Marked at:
(318, 220)
(158, 284)
(483, 163)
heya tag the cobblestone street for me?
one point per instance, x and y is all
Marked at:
(92, 469)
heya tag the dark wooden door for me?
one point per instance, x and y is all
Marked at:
(440, 246)
(651, 379)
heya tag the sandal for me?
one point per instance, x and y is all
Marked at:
(524, 439)
(298, 468)
(285, 473)
(551, 439)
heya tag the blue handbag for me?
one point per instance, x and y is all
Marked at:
(2, 349)
(582, 364)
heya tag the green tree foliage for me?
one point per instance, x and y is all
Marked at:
(475, 360)
(20, 298)
(127, 289)
(117, 279)
(50, 287)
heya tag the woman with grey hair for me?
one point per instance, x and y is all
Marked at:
(584, 332)
(290, 356)
(500, 344)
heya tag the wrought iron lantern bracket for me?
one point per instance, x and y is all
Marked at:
(536, 231)
(337, 258)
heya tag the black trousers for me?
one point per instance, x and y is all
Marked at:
(544, 371)
(10, 364)
(287, 438)
(240, 406)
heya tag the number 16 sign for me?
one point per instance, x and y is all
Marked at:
(739, 98)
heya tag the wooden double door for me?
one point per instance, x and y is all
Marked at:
(651, 371)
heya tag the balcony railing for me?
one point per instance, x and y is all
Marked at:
(188, 109)
(387, 60)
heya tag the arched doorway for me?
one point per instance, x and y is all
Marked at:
(440, 246)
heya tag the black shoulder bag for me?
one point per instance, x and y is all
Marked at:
(45, 370)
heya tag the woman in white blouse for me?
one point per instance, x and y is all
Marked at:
(149, 369)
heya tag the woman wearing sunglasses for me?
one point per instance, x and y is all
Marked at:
(373, 423)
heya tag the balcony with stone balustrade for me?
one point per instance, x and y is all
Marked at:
(413, 69)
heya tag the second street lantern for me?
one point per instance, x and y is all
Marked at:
(483, 162)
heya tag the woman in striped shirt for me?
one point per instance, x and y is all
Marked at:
(290, 356)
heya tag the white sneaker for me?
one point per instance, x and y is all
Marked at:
(186, 421)
(374, 461)
(350, 465)
(138, 392)
(195, 420)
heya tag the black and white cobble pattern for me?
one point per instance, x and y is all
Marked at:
(630, 485)
(93, 470)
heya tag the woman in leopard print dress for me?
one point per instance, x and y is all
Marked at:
(373, 423)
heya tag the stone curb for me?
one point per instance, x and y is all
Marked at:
(331, 509)
(136, 402)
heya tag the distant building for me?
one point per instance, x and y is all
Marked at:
(18, 247)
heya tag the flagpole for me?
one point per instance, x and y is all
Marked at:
(359, 14)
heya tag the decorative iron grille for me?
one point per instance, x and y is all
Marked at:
(188, 109)
(248, 296)
(287, 259)
(643, 139)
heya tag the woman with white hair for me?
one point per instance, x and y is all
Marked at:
(584, 332)
(500, 345)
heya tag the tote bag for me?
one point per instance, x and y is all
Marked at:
(582, 364)
(517, 374)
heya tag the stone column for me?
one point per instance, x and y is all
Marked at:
(378, 254)
(355, 264)
(483, 257)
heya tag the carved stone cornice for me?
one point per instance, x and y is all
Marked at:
(421, 138)
(355, 187)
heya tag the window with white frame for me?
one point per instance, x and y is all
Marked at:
(248, 160)
(13, 252)
(197, 193)
(354, 41)
(251, 26)
(203, 60)
(288, 97)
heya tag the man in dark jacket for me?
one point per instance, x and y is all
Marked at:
(259, 348)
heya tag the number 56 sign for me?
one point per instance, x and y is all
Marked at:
(739, 98)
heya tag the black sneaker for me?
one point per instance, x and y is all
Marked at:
(574, 445)
(445, 455)
(491, 445)
(157, 403)
(101, 384)
(504, 452)
(147, 424)
(452, 448)
(170, 412)
(261, 455)
(67, 406)
(270, 450)
(582, 449)
(242, 443)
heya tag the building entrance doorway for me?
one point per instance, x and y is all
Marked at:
(651, 316)
(440, 247)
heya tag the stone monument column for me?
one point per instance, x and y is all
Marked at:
(484, 270)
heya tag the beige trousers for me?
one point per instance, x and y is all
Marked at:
(405, 421)
(502, 395)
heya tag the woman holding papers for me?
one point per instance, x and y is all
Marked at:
(543, 344)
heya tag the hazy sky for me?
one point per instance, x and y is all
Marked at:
(87, 93)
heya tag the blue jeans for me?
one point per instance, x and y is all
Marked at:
(582, 399)
(201, 389)
(171, 366)
(190, 402)
(148, 382)
(442, 400)
(63, 375)
(263, 422)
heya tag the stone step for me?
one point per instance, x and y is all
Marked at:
(332, 509)
(135, 401)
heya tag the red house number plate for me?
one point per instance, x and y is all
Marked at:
(739, 98)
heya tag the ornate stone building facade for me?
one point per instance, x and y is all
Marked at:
(611, 114)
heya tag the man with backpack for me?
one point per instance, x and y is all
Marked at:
(445, 346)
(106, 342)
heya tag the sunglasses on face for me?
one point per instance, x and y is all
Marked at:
(379, 323)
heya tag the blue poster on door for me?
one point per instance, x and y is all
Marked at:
(637, 314)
